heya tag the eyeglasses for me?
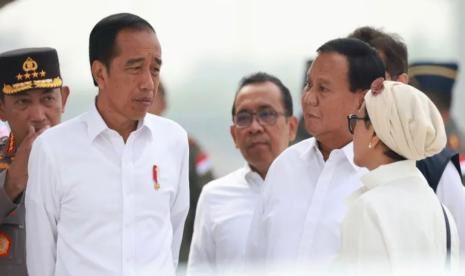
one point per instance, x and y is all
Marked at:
(352, 121)
(265, 116)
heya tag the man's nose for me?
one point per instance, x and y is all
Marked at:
(37, 113)
(147, 81)
(255, 125)
(309, 98)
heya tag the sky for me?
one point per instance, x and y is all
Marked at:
(208, 45)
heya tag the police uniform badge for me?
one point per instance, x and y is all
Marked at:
(5, 244)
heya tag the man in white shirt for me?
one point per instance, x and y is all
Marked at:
(108, 191)
(299, 219)
(442, 171)
(263, 126)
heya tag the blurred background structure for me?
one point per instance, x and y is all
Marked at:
(208, 45)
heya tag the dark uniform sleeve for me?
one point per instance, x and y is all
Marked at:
(6, 205)
(12, 233)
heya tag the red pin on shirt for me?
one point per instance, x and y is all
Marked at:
(155, 177)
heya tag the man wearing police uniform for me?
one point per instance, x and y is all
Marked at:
(32, 100)
(437, 81)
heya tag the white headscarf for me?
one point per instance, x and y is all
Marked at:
(405, 119)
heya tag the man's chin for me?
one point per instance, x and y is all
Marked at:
(259, 154)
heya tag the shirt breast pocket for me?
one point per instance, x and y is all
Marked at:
(156, 190)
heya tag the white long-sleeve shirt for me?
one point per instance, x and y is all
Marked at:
(298, 221)
(92, 205)
(224, 212)
(451, 193)
(395, 224)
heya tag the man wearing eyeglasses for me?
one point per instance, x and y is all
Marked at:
(263, 126)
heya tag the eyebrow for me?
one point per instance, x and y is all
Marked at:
(323, 81)
(28, 93)
(263, 106)
(260, 107)
(134, 61)
(48, 90)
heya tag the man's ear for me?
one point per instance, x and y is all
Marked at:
(293, 123)
(232, 130)
(64, 97)
(99, 73)
(359, 99)
(403, 78)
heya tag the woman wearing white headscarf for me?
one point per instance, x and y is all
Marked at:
(395, 222)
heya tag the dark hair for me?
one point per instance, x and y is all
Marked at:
(261, 77)
(389, 152)
(391, 47)
(103, 36)
(364, 63)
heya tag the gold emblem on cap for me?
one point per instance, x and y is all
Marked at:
(30, 68)
(30, 65)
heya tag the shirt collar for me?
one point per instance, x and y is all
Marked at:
(388, 173)
(311, 147)
(347, 150)
(252, 178)
(95, 122)
(96, 125)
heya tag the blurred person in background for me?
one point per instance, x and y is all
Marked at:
(302, 133)
(200, 173)
(263, 126)
(437, 80)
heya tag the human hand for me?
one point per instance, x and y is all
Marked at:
(16, 175)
